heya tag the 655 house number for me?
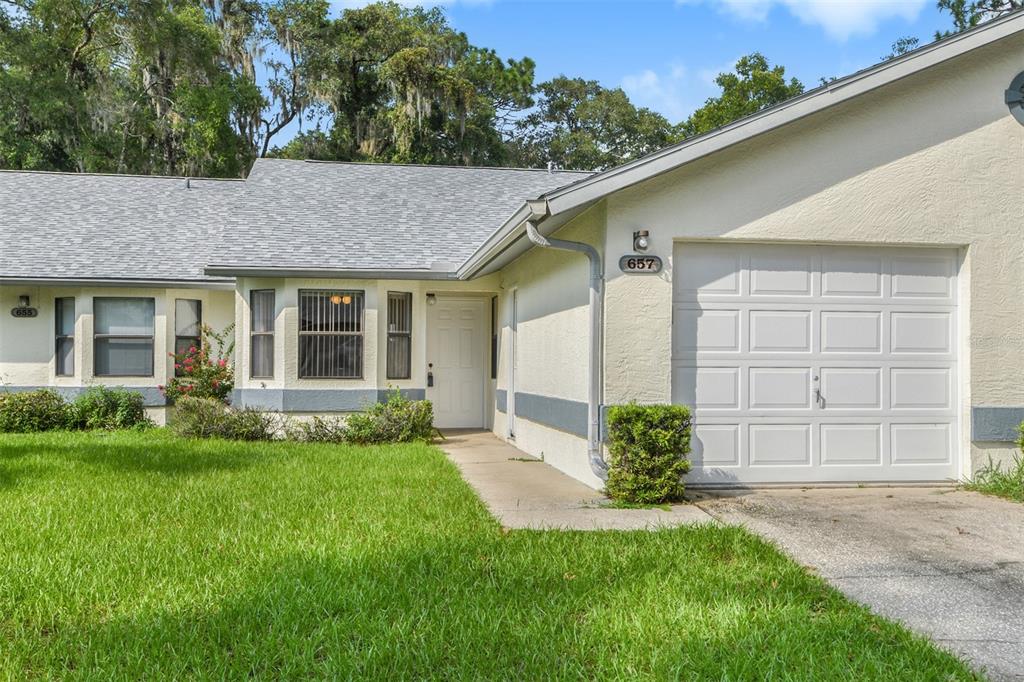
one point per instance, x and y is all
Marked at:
(643, 265)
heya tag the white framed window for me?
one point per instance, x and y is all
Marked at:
(123, 336)
(188, 322)
(330, 334)
(64, 332)
(261, 333)
(399, 360)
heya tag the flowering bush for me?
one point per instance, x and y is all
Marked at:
(203, 373)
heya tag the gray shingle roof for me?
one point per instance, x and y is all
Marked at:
(300, 214)
(289, 214)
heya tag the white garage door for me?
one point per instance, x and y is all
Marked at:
(817, 363)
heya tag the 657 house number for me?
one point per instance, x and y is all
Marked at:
(646, 265)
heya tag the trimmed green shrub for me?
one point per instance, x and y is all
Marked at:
(100, 407)
(210, 418)
(318, 430)
(31, 411)
(396, 420)
(648, 446)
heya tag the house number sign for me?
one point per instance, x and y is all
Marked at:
(635, 264)
(24, 311)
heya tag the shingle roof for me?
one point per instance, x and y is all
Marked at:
(84, 226)
(300, 214)
(287, 214)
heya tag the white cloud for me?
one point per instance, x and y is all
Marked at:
(665, 93)
(840, 19)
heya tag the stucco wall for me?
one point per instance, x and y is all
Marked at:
(551, 346)
(932, 160)
(27, 344)
(374, 379)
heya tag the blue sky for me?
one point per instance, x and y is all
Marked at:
(666, 54)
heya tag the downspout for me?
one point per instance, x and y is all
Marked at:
(539, 212)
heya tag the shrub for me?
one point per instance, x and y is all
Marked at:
(210, 418)
(100, 407)
(396, 420)
(30, 411)
(318, 430)
(648, 446)
(205, 373)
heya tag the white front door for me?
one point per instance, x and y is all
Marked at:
(456, 359)
(817, 363)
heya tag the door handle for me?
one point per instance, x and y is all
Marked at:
(430, 375)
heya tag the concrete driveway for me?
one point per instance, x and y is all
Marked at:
(947, 563)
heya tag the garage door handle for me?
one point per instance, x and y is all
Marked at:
(817, 397)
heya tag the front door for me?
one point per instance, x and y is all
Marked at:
(456, 358)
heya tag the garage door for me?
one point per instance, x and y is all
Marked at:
(817, 363)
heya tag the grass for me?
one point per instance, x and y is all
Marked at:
(994, 480)
(141, 556)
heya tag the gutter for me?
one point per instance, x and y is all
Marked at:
(539, 212)
(223, 284)
(258, 271)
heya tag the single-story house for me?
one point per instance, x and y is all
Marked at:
(833, 284)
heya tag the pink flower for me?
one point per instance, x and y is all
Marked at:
(222, 363)
(191, 349)
(177, 365)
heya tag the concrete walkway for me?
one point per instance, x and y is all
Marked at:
(523, 492)
(947, 563)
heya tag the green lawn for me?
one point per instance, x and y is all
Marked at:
(137, 555)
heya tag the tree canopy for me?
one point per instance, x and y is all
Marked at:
(203, 87)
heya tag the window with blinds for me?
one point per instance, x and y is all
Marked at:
(64, 347)
(123, 336)
(261, 333)
(330, 334)
(399, 365)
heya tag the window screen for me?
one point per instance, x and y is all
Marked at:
(123, 341)
(188, 321)
(399, 363)
(261, 332)
(64, 348)
(330, 334)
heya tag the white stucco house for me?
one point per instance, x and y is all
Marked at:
(835, 285)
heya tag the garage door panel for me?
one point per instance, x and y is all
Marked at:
(851, 388)
(785, 331)
(873, 329)
(711, 388)
(917, 388)
(717, 272)
(780, 445)
(716, 445)
(780, 273)
(922, 277)
(698, 330)
(851, 274)
(921, 444)
(777, 388)
(921, 332)
(845, 331)
(851, 444)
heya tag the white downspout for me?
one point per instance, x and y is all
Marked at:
(539, 212)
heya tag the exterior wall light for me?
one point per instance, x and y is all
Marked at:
(1015, 97)
(338, 299)
(431, 299)
(641, 240)
(23, 301)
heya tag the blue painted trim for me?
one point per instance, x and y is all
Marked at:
(151, 395)
(996, 424)
(501, 400)
(316, 400)
(558, 413)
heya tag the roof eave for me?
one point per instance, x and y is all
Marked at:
(220, 283)
(329, 273)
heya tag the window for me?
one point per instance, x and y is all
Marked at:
(399, 335)
(330, 334)
(123, 341)
(64, 329)
(188, 321)
(494, 337)
(261, 332)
